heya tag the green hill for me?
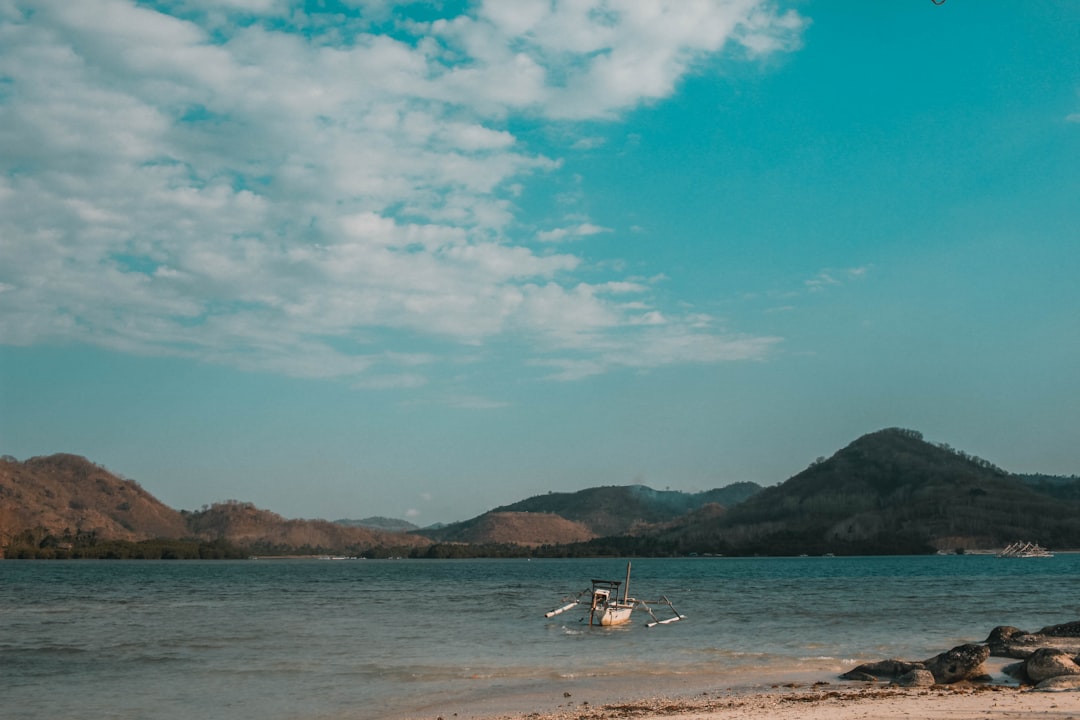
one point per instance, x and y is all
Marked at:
(1058, 486)
(888, 492)
(610, 510)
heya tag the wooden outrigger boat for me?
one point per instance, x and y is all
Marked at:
(1025, 550)
(606, 608)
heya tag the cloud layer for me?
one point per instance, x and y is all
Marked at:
(332, 194)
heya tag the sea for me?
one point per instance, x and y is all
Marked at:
(400, 638)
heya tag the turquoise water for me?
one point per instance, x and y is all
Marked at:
(297, 640)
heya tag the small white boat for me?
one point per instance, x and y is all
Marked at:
(606, 608)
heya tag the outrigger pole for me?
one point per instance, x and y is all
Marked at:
(657, 621)
(559, 611)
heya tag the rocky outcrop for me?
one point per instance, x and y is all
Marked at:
(882, 670)
(1011, 642)
(964, 662)
(1048, 669)
(1060, 684)
(1064, 630)
(1051, 661)
(1046, 663)
(915, 678)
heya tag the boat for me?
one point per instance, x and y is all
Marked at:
(1025, 550)
(606, 608)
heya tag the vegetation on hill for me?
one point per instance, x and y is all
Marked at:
(888, 492)
(267, 533)
(39, 544)
(602, 511)
(64, 506)
(521, 528)
(1056, 486)
(381, 523)
(69, 494)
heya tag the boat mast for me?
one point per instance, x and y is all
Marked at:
(626, 587)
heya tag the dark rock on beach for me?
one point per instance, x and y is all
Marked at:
(1051, 661)
(1069, 630)
(882, 670)
(1001, 639)
(1059, 684)
(1046, 663)
(1008, 641)
(915, 678)
(964, 662)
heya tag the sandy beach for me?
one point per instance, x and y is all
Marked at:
(823, 701)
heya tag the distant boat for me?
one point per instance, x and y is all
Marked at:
(606, 608)
(1025, 550)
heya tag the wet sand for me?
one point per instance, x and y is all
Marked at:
(823, 701)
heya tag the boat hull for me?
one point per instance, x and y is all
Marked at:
(613, 615)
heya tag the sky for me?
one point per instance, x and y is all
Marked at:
(347, 258)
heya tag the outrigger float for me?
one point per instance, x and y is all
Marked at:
(606, 608)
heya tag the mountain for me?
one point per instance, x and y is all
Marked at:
(66, 499)
(1057, 486)
(593, 512)
(887, 492)
(381, 523)
(245, 525)
(69, 494)
(518, 528)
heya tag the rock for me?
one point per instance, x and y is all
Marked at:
(964, 662)
(1015, 670)
(1046, 663)
(1069, 629)
(885, 669)
(1061, 683)
(1007, 641)
(915, 678)
(1001, 638)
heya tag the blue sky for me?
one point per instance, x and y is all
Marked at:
(352, 258)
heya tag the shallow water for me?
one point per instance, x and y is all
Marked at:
(286, 639)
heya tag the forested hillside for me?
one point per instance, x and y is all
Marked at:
(888, 492)
(620, 510)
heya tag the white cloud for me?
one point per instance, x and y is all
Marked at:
(830, 277)
(241, 193)
(570, 233)
(658, 341)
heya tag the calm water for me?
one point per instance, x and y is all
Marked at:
(296, 640)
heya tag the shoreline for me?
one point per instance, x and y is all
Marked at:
(831, 703)
(790, 696)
